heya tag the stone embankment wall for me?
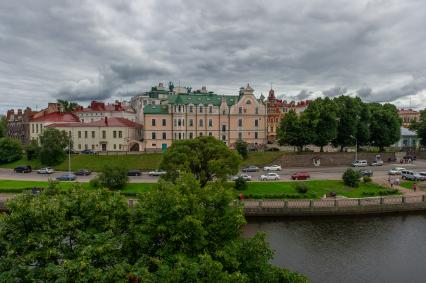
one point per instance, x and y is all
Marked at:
(306, 159)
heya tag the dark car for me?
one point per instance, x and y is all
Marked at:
(83, 172)
(300, 176)
(273, 149)
(134, 172)
(251, 169)
(23, 169)
(88, 151)
(366, 172)
(67, 177)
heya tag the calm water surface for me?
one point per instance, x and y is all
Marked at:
(389, 248)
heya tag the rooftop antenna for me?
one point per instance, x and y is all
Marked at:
(410, 102)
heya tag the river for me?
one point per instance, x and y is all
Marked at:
(385, 248)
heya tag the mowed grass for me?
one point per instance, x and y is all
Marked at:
(316, 189)
(145, 161)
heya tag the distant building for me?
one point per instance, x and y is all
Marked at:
(408, 140)
(18, 124)
(98, 110)
(408, 116)
(39, 122)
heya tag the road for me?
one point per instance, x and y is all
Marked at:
(318, 173)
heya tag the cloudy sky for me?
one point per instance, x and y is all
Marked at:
(110, 49)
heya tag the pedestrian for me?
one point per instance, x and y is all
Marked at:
(397, 181)
(414, 186)
(391, 183)
(389, 179)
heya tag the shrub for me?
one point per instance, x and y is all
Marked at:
(301, 188)
(366, 179)
(95, 183)
(32, 150)
(351, 178)
(242, 148)
(10, 150)
(240, 184)
(113, 177)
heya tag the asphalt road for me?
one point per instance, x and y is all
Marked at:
(318, 173)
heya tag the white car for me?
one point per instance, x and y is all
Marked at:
(245, 177)
(396, 171)
(359, 163)
(157, 173)
(46, 170)
(377, 163)
(272, 168)
(270, 177)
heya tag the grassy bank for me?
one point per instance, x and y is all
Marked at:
(316, 189)
(146, 161)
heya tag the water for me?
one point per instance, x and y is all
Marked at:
(389, 248)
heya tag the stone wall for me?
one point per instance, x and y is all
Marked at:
(306, 159)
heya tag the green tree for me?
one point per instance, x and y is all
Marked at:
(3, 126)
(242, 148)
(351, 178)
(348, 116)
(205, 157)
(322, 115)
(113, 177)
(52, 146)
(363, 134)
(10, 150)
(32, 150)
(295, 130)
(420, 127)
(68, 106)
(385, 126)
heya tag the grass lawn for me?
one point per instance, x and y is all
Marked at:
(408, 184)
(145, 161)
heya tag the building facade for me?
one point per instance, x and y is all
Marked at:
(408, 116)
(18, 124)
(99, 110)
(202, 113)
(275, 114)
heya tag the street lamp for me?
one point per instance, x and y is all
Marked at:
(356, 147)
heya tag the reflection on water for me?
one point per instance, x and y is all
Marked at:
(389, 248)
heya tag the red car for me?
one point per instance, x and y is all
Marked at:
(300, 176)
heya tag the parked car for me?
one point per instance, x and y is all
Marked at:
(366, 172)
(157, 173)
(419, 176)
(71, 151)
(88, 151)
(300, 176)
(395, 170)
(23, 169)
(408, 175)
(251, 168)
(359, 163)
(46, 170)
(83, 172)
(377, 163)
(67, 177)
(134, 172)
(423, 174)
(269, 177)
(245, 177)
(272, 168)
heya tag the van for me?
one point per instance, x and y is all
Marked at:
(359, 163)
(408, 175)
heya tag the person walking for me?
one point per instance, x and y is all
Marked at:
(414, 187)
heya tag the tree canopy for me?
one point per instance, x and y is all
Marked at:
(10, 150)
(420, 127)
(207, 158)
(242, 148)
(176, 233)
(3, 126)
(68, 106)
(295, 130)
(53, 143)
(385, 125)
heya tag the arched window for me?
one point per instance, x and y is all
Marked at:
(248, 102)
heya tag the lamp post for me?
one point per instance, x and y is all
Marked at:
(356, 147)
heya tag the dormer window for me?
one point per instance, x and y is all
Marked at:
(248, 102)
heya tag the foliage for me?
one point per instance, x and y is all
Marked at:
(351, 178)
(92, 236)
(3, 126)
(68, 106)
(301, 188)
(240, 184)
(348, 118)
(52, 146)
(385, 125)
(295, 130)
(420, 127)
(367, 179)
(112, 177)
(32, 150)
(242, 148)
(205, 157)
(10, 150)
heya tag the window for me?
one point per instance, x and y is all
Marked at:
(255, 135)
(201, 109)
(223, 137)
(190, 135)
(180, 136)
(164, 136)
(248, 102)
(201, 134)
(240, 122)
(115, 146)
(79, 146)
(93, 147)
(240, 110)
(164, 122)
(210, 109)
(93, 134)
(191, 122)
(86, 146)
(210, 123)
(104, 134)
(120, 134)
(32, 126)
(175, 122)
(256, 123)
(257, 110)
(190, 109)
(79, 134)
(153, 122)
(119, 146)
(114, 134)
(201, 122)
(240, 135)
(179, 122)
(153, 136)
(224, 112)
(210, 134)
(179, 108)
(223, 128)
(36, 128)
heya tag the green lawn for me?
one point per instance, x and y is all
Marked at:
(316, 189)
(407, 184)
(146, 161)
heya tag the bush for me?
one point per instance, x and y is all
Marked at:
(242, 148)
(10, 150)
(351, 178)
(301, 188)
(95, 183)
(32, 150)
(366, 179)
(240, 184)
(113, 177)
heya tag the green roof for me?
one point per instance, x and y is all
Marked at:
(205, 99)
(156, 109)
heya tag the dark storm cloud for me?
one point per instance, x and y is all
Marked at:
(83, 50)
(304, 94)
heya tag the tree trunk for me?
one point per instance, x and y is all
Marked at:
(341, 148)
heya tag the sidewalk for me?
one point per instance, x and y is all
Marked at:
(404, 191)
